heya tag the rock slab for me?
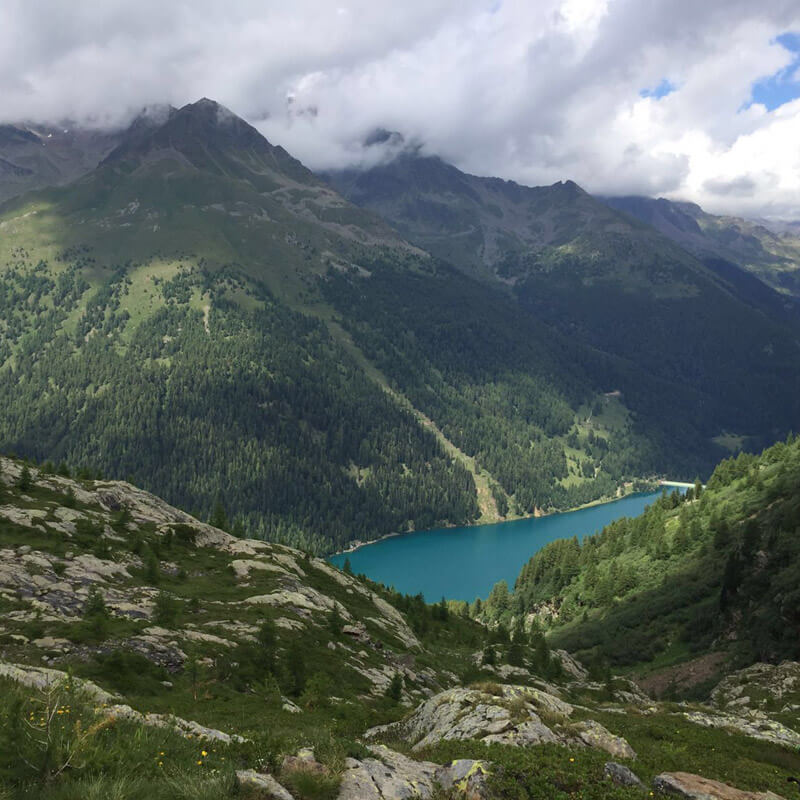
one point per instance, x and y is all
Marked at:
(695, 787)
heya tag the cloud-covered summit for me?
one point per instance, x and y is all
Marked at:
(659, 98)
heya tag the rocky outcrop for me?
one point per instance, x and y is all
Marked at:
(774, 687)
(44, 679)
(513, 715)
(695, 787)
(571, 665)
(187, 728)
(755, 724)
(593, 734)
(393, 776)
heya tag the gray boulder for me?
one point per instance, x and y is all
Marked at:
(593, 734)
(620, 775)
(265, 785)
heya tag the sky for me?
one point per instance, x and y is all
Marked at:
(688, 99)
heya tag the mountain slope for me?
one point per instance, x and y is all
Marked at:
(153, 298)
(606, 280)
(202, 313)
(35, 156)
(772, 256)
(145, 654)
(151, 329)
(709, 581)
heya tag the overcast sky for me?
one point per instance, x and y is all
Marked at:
(690, 99)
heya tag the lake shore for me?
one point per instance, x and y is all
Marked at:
(462, 563)
(628, 490)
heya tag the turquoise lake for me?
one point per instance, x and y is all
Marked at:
(464, 563)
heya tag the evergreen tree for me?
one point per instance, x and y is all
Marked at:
(24, 479)
(394, 691)
(219, 519)
(335, 622)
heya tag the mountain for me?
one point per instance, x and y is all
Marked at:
(144, 653)
(603, 279)
(35, 156)
(203, 314)
(772, 255)
(693, 588)
(477, 224)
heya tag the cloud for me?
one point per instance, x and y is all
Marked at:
(744, 185)
(536, 92)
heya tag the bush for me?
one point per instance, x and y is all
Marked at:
(126, 672)
(167, 609)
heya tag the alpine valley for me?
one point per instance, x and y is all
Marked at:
(204, 315)
(218, 367)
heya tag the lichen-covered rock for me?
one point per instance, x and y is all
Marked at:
(467, 777)
(389, 776)
(242, 567)
(165, 654)
(264, 785)
(760, 686)
(571, 665)
(393, 776)
(88, 568)
(509, 717)
(299, 598)
(187, 728)
(43, 678)
(755, 724)
(620, 775)
(593, 734)
(695, 787)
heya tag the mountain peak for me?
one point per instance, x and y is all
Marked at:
(205, 135)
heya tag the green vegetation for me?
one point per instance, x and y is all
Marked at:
(718, 571)
(202, 314)
(695, 348)
(663, 743)
(276, 646)
(499, 386)
(294, 439)
(55, 744)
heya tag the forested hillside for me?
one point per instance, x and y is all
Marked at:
(603, 279)
(204, 314)
(714, 571)
(254, 409)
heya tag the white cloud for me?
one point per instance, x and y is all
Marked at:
(537, 92)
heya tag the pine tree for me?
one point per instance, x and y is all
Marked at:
(219, 519)
(335, 622)
(394, 691)
(24, 479)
